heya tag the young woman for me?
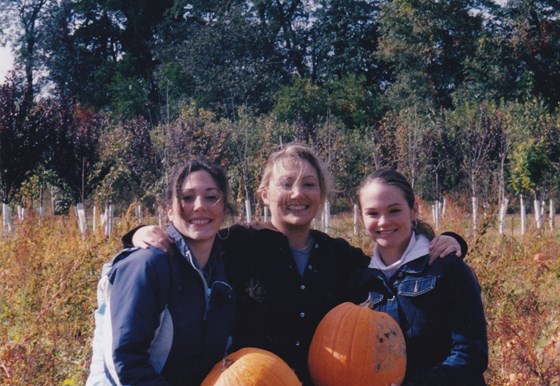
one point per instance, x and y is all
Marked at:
(286, 275)
(438, 306)
(169, 316)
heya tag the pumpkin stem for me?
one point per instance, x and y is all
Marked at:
(226, 363)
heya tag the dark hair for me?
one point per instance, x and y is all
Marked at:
(193, 165)
(392, 177)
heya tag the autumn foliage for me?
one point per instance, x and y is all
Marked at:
(49, 272)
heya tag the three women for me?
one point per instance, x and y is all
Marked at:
(286, 275)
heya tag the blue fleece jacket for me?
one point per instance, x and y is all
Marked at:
(167, 322)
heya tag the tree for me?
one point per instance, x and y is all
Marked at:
(100, 49)
(344, 38)
(535, 42)
(128, 165)
(425, 43)
(24, 134)
(73, 151)
(535, 159)
(227, 62)
(480, 133)
(25, 17)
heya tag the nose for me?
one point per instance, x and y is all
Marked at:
(382, 220)
(296, 190)
(198, 203)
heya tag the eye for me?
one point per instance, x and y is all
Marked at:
(213, 199)
(188, 198)
(310, 185)
(285, 185)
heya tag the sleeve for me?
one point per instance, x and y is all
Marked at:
(134, 306)
(97, 368)
(468, 358)
(460, 240)
(353, 262)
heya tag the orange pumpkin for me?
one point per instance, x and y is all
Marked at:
(354, 345)
(251, 367)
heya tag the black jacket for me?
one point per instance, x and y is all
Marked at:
(278, 310)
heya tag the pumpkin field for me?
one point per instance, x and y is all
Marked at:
(49, 272)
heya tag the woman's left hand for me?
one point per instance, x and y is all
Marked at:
(442, 246)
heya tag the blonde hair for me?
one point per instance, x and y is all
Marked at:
(294, 153)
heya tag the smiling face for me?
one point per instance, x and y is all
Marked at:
(293, 195)
(387, 218)
(198, 211)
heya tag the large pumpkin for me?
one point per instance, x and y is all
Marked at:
(251, 367)
(354, 345)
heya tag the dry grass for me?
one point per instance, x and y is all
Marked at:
(49, 274)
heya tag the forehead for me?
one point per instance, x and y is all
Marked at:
(293, 167)
(380, 193)
(199, 180)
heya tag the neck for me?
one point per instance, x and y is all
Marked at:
(201, 251)
(297, 235)
(390, 255)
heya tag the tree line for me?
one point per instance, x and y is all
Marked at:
(462, 96)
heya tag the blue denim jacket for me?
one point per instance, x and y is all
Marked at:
(440, 312)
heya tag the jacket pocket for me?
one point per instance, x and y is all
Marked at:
(416, 287)
(373, 299)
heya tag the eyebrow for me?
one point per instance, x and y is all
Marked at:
(190, 190)
(390, 206)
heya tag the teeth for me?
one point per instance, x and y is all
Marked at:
(297, 207)
(199, 222)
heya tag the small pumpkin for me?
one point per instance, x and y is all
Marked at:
(251, 366)
(355, 345)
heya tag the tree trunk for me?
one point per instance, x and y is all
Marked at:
(552, 212)
(523, 215)
(538, 213)
(503, 212)
(475, 211)
(6, 219)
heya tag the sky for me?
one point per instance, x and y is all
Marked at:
(5, 62)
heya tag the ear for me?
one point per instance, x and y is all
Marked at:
(264, 196)
(170, 213)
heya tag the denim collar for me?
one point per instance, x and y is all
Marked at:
(414, 267)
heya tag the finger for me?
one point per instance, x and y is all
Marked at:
(438, 250)
(433, 243)
(452, 250)
(159, 244)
